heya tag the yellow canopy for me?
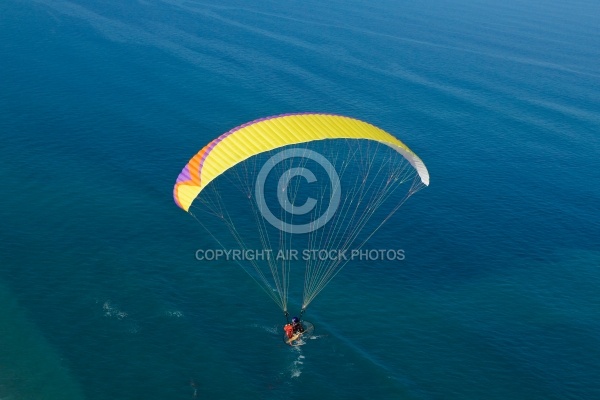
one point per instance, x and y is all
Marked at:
(271, 133)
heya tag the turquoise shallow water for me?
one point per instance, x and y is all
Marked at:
(102, 105)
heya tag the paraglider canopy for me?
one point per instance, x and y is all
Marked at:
(271, 133)
(363, 173)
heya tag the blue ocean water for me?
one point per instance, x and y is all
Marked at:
(101, 105)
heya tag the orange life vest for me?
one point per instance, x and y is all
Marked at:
(289, 330)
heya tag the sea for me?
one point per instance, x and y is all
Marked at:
(103, 103)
